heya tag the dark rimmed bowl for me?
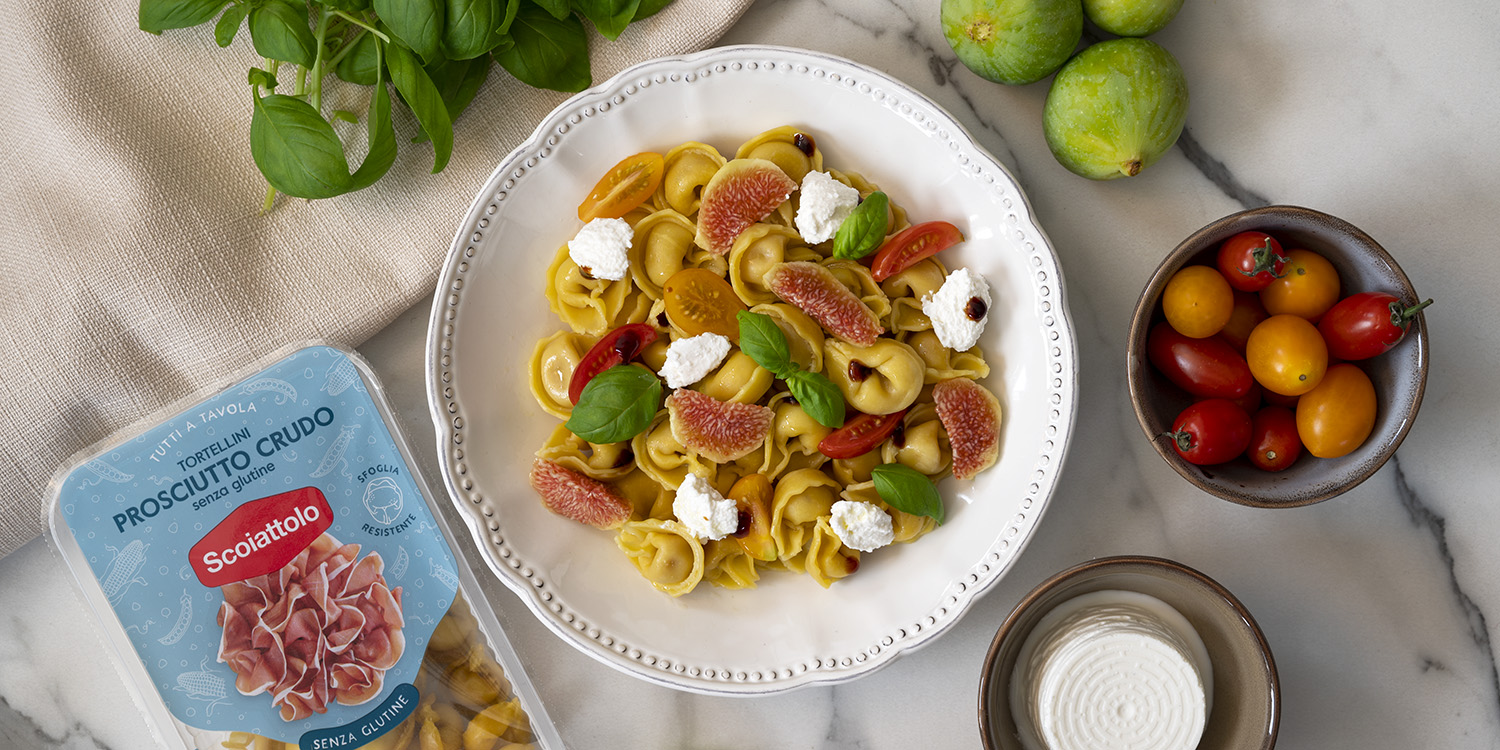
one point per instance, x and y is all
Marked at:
(1246, 712)
(1400, 375)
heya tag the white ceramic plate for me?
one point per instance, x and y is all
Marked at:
(489, 312)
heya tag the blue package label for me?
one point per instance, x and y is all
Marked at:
(268, 552)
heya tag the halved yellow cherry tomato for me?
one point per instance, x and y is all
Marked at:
(701, 301)
(1337, 416)
(1309, 285)
(1197, 301)
(625, 186)
(1287, 355)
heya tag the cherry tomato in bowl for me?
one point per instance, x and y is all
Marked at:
(1212, 431)
(1367, 324)
(1251, 260)
(1248, 312)
(1287, 355)
(1336, 417)
(1308, 287)
(913, 244)
(1197, 301)
(1274, 444)
(1203, 367)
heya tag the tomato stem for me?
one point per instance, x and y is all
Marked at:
(1182, 438)
(1265, 261)
(1401, 316)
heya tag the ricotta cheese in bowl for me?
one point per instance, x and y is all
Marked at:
(1112, 670)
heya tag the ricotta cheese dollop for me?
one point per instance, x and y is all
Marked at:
(602, 248)
(824, 205)
(861, 526)
(690, 359)
(959, 309)
(706, 513)
(1110, 670)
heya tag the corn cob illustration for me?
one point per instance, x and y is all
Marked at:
(340, 377)
(334, 458)
(203, 685)
(284, 391)
(123, 569)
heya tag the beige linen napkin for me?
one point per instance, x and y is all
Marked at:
(135, 265)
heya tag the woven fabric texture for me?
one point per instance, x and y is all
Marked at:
(136, 266)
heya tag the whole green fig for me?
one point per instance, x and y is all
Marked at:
(1114, 109)
(1013, 41)
(1131, 17)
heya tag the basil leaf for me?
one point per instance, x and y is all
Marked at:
(422, 98)
(296, 149)
(362, 64)
(458, 82)
(548, 53)
(908, 490)
(650, 8)
(818, 396)
(157, 16)
(763, 341)
(382, 153)
(864, 230)
(471, 28)
(419, 23)
(558, 9)
(616, 405)
(610, 17)
(229, 24)
(282, 32)
(263, 78)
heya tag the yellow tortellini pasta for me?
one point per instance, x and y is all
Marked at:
(665, 552)
(785, 523)
(688, 169)
(552, 365)
(879, 379)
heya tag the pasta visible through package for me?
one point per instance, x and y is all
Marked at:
(893, 375)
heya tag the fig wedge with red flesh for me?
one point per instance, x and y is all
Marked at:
(971, 416)
(741, 193)
(814, 290)
(572, 494)
(717, 430)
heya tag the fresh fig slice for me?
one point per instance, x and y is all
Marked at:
(741, 193)
(971, 416)
(817, 292)
(752, 495)
(717, 430)
(571, 494)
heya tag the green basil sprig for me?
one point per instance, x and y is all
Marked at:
(436, 53)
(616, 405)
(908, 490)
(764, 342)
(864, 230)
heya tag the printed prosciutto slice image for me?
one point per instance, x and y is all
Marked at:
(325, 627)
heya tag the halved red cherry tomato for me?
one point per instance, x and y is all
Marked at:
(860, 435)
(617, 347)
(1274, 444)
(1248, 312)
(625, 186)
(1203, 367)
(1363, 325)
(911, 245)
(1210, 432)
(1250, 261)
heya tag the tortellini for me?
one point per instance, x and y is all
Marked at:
(665, 552)
(785, 508)
(552, 365)
(879, 379)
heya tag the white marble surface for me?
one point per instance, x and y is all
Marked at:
(1380, 605)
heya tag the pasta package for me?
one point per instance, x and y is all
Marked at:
(272, 574)
(874, 332)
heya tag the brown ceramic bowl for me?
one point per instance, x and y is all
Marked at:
(1400, 375)
(1246, 709)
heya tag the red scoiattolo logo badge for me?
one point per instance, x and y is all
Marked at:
(260, 536)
